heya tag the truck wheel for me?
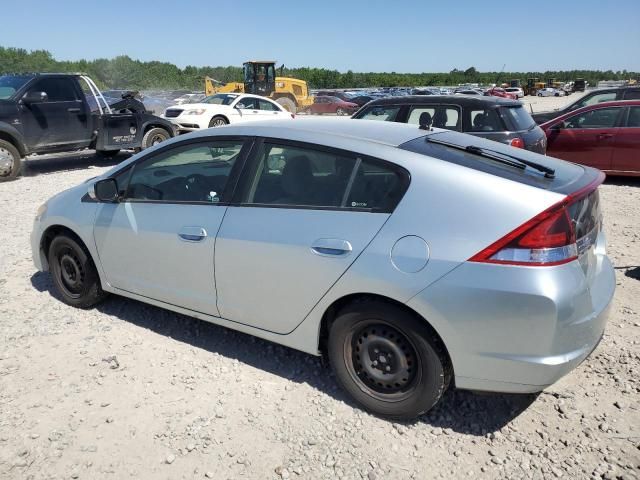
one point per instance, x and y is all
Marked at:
(108, 153)
(10, 162)
(288, 104)
(154, 136)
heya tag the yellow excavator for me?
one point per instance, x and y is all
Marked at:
(260, 79)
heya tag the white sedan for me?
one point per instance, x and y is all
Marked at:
(551, 92)
(223, 109)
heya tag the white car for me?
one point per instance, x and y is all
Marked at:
(518, 92)
(223, 109)
(189, 98)
(551, 92)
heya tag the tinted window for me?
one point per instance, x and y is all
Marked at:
(597, 98)
(485, 121)
(632, 95)
(388, 114)
(295, 176)
(634, 117)
(266, 105)
(519, 117)
(10, 84)
(441, 116)
(197, 172)
(601, 118)
(57, 89)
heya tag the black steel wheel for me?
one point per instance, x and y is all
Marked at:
(388, 359)
(74, 273)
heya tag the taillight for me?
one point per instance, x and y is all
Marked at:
(517, 142)
(547, 239)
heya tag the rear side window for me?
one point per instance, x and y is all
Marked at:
(440, 116)
(385, 114)
(634, 117)
(600, 118)
(265, 105)
(519, 117)
(296, 176)
(597, 98)
(485, 121)
(632, 95)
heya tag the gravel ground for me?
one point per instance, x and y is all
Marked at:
(128, 390)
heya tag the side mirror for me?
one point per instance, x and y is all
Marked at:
(35, 97)
(106, 190)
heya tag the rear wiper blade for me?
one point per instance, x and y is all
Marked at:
(500, 157)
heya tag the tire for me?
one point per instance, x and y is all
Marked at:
(340, 111)
(10, 161)
(288, 104)
(73, 272)
(218, 121)
(539, 94)
(108, 153)
(411, 372)
(154, 136)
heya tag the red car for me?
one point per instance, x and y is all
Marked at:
(604, 135)
(326, 104)
(500, 92)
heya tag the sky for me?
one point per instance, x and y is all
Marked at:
(399, 35)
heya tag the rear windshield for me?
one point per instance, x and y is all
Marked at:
(519, 117)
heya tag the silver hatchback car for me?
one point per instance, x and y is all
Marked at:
(415, 259)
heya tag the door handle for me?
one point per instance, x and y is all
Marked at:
(73, 110)
(192, 234)
(331, 247)
(605, 135)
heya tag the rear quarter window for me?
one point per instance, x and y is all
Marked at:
(518, 117)
(485, 120)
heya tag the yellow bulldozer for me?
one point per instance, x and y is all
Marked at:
(260, 79)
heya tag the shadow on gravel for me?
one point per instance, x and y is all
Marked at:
(623, 181)
(633, 272)
(461, 411)
(35, 165)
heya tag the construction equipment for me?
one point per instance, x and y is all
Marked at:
(532, 86)
(260, 79)
(514, 83)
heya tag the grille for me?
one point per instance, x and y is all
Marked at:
(173, 112)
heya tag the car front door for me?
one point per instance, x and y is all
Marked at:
(302, 216)
(626, 146)
(159, 240)
(586, 138)
(247, 108)
(59, 119)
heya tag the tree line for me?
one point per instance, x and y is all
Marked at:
(125, 72)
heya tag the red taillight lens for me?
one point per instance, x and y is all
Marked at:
(547, 239)
(517, 142)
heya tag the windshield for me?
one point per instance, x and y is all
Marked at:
(519, 117)
(220, 99)
(10, 84)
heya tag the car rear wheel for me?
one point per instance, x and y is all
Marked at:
(388, 360)
(218, 122)
(341, 111)
(154, 136)
(10, 162)
(74, 274)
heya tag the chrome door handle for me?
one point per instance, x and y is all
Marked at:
(192, 234)
(331, 247)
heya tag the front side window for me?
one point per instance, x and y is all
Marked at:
(597, 98)
(57, 89)
(196, 172)
(385, 114)
(600, 118)
(304, 177)
(485, 121)
(247, 103)
(634, 117)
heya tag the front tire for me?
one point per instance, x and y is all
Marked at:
(218, 122)
(154, 136)
(341, 111)
(73, 272)
(10, 161)
(388, 360)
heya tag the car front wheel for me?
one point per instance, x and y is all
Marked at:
(10, 162)
(388, 359)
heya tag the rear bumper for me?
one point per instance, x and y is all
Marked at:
(519, 329)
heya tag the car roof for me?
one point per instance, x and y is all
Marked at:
(474, 101)
(386, 133)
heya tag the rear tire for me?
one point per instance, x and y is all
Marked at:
(73, 272)
(388, 360)
(340, 111)
(154, 136)
(288, 104)
(218, 121)
(10, 161)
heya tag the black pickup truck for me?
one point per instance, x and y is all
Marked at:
(46, 113)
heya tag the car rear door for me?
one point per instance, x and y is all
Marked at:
(586, 138)
(303, 215)
(159, 240)
(626, 146)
